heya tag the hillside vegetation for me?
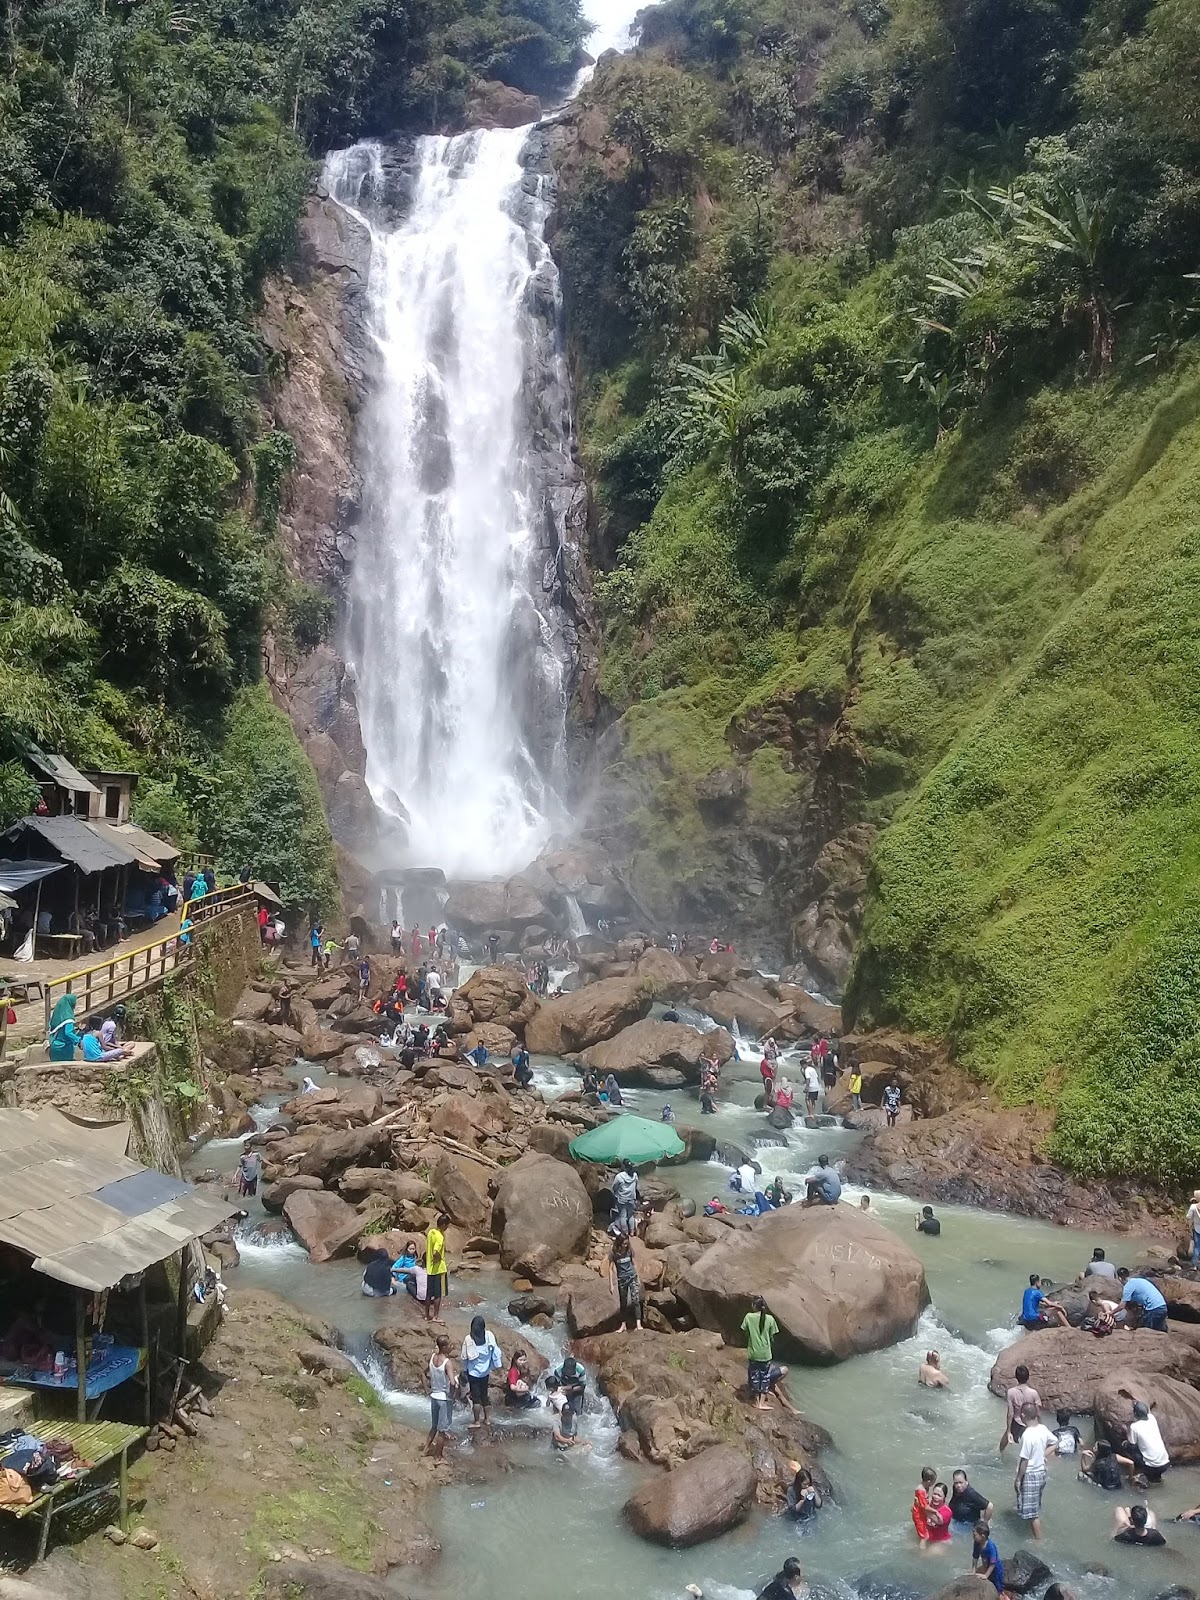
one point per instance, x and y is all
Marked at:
(153, 165)
(885, 322)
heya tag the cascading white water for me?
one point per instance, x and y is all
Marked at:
(453, 633)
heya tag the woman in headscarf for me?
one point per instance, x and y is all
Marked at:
(64, 1036)
(613, 1091)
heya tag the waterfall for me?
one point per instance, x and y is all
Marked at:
(457, 632)
(576, 921)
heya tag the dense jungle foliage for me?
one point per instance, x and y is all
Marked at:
(153, 165)
(885, 313)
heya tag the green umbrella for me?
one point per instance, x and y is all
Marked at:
(627, 1138)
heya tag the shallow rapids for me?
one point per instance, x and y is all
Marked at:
(557, 1522)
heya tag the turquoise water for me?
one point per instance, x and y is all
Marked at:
(557, 1521)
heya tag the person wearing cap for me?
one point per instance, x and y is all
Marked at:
(1193, 1217)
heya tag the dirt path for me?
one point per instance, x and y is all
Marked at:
(290, 1468)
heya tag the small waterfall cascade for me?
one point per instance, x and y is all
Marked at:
(460, 628)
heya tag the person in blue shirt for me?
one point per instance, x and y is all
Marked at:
(480, 1358)
(985, 1558)
(1148, 1303)
(479, 1055)
(1038, 1310)
(522, 1071)
(93, 1049)
(404, 1268)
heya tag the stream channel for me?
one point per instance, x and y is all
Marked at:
(553, 1524)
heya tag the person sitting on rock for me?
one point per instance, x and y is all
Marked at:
(777, 1194)
(1103, 1314)
(1038, 1310)
(822, 1185)
(590, 1084)
(1136, 1525)
(1100, 1466)
(517, 1390)
(1098, 1267)
(377, 1280)
(930, 1374)
(784, 1095)
(404, 1268)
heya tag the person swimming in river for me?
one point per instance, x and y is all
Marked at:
(930, 1374)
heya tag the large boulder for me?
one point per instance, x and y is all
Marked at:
(324, 1224)
(811, 1015)
(592, 1308)
(641, 1053)
(478, 906)
(352, 1106)
(274, 1195)
(1025, 1570)
(671, 976)
(837, 1282)
(1067, 1367)
(397, 1188)
(498, 995)
(461, 1188)
(541, 1214)
(970, 1586)
(754, 1016)
(696, 1501)
(595, 1012)
(328, 1156)
(1176, 1407)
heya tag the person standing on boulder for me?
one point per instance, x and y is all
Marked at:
(1037, 1442)
(891, 1103)
(812, 1086)
(624, 1282)
(764, 1375)
(856, 1086)
(766, 1068)
(435, 1268)
(624, 1186)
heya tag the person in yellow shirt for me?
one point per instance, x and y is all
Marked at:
(435, 1268)
(856, 1086)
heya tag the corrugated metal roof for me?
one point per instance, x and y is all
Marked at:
(77, 842)
(60, 771)
(149, 844)
(123, 841)
(64, 1176)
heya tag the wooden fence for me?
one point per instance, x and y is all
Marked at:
(131, 971)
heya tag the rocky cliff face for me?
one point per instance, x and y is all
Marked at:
(313, 326)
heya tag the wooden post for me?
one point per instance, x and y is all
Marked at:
(181, 1305)
(80, 1356)
(151, 1375)
(37, 907)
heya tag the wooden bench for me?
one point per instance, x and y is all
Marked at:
(97, 1442)
(70, 941)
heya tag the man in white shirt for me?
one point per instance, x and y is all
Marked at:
(1146, 1448)
(1037, 1442)
(748, 1177)
(1193, 1218)
(812, 1087)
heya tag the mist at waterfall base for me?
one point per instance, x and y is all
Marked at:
(552, 1524)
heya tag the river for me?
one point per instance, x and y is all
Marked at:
(557, 1521)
